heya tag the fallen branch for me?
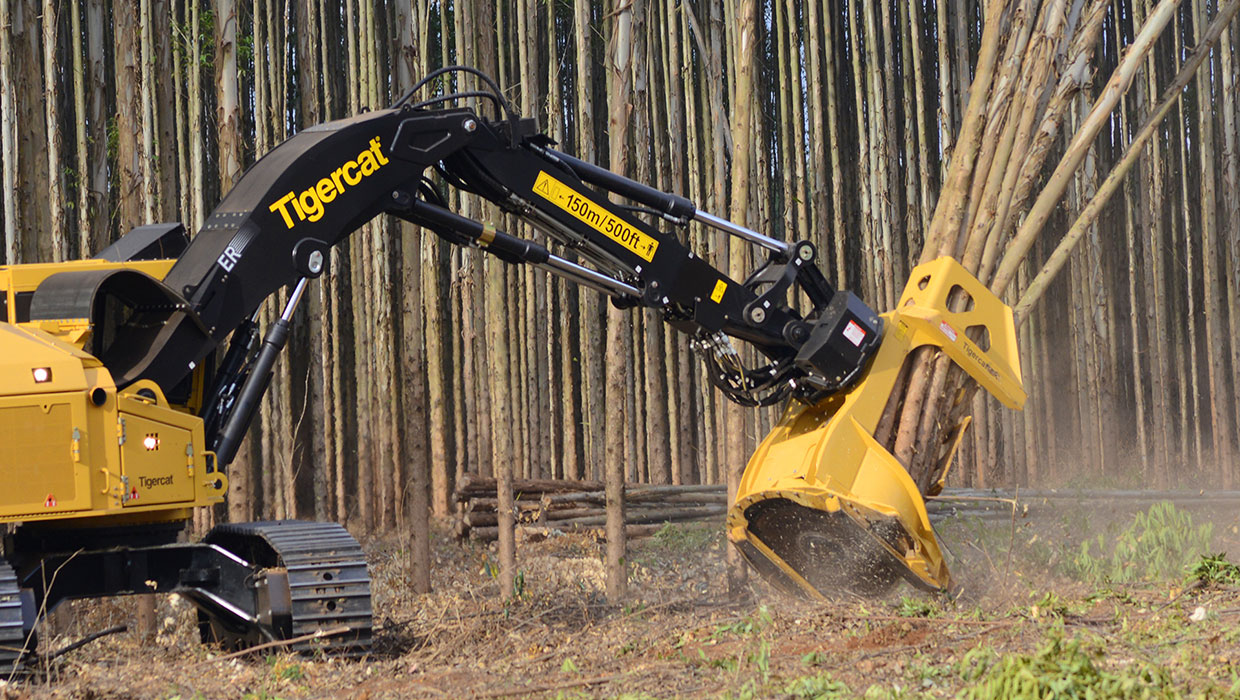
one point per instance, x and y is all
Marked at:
(84, 641)
(547, 687)
(535, 532)
(278, 643)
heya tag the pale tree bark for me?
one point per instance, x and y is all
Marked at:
(96, 176)
(51, 102)
(1189, 374)
(267, 497)
(619, 70)
(1034, 88)
(320, 414)
(228, 118)
(1025, 170)
(1231, 196)
(865, 236)
(917, 59)
(1098, 117)
(130, 204)
(180, 116)
(413, 358)
(742, 162)
(146, 110)
(197, 156)
(1089, 214)
(168, 165)
(1153, 187)
(880, 159)
(83, 247)
(8, 138)
(30, 131)
(946, 115)
(228, 111)
(1215, 307)
(834, 144)
(591, 353)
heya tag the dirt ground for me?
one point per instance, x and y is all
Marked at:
(1018, 626)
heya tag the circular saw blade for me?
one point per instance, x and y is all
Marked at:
(831, 551)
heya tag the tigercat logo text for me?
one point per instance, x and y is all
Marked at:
(148, 482)
(310, 203)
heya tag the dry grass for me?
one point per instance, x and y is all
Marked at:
(680, 636)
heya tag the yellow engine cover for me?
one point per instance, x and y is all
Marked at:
(73, 447)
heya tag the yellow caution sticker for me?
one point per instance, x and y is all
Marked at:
(717, 295)
(595, 216)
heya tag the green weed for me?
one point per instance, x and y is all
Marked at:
(751, 624)
(917, 607)
(761, 659)
(926, 671)
(682, 537)
(882, 692)
(1159, 543)
(1215, 570)
(1060, 669)
(725, 663)
(1052, 605)
(748, 691)
(1111, 593)
(814, 658)
(820, 687)
(284, 669)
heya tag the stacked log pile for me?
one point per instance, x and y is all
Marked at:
(545, 505)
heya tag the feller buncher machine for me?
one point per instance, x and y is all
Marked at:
(127, 381)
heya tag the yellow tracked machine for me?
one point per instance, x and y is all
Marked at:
(128, 381)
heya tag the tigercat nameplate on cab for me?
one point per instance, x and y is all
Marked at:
(595, 216)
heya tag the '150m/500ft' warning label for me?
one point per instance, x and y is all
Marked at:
(595, 216)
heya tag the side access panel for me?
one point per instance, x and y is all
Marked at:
(40, 455)
(156, 461)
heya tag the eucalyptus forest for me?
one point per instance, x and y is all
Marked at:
(1079, 157)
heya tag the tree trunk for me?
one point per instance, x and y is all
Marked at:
(51, 101)
(618, 325)
(743, 123)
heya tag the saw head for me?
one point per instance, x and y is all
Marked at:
(827, 551)
(823, 508)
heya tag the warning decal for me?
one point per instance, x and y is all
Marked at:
(717, 295)
(595, 216)
(948, 330)
(854, 333)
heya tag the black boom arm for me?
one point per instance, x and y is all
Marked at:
(274, 228)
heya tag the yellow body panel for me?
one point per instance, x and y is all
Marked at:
(824, 457)
(72, 447)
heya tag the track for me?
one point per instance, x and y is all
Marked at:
(12, 636)
(328, 579)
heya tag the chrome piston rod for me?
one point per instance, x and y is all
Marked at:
(587, 277)
(742, 232)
